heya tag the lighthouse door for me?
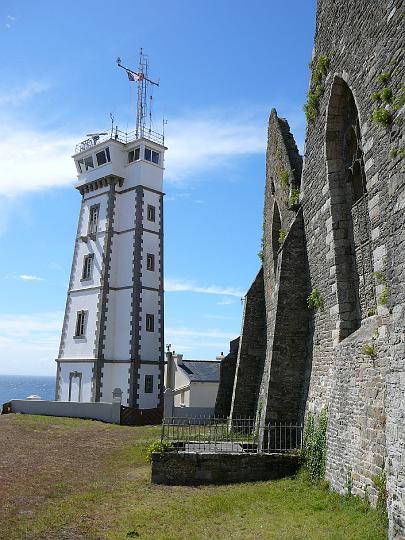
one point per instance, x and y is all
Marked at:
(75, 386)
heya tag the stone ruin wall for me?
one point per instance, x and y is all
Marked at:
(365, 395)
(324, 365)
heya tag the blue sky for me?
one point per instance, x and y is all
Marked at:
(222, 66)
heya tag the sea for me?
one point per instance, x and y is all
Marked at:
(22, 386)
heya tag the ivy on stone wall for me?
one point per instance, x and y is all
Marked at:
(316, 87)
(315, 446)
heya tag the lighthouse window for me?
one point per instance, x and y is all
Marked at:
(134, 155)
(151, 213)
(93, 219)
(103, 156)
(80, 323)
(150, 261)
(87, 266)
(150, 323)
(148, 384)
(151, 155)
(85, 164)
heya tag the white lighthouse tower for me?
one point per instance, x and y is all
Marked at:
(112, 334)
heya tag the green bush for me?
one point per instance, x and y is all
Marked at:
(315, 300)
(316, 88)
(384, 77)
(381, 116)
(283, 177)
(294, 198)
(369, 350)
(314, 447)
(386, 94)
(281, 235)
(158, 447)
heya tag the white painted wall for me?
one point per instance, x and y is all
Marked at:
(151, 244)
(121, 274)
(148, 401)
(86, 369)
(115, 376)
(203, 394)
(149, 340)
(118, 326)
(81, 347)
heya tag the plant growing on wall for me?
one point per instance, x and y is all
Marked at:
(369, 350)
(381, 116)
(281, 235)
(380, 482)
(158, 447)
(315, 300)
(383, 299)
(294, 197)
(315, 447)
(316, 87)
(283, 177)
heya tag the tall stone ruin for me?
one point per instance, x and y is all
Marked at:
(334, 231)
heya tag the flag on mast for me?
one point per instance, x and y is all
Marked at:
(135, 77)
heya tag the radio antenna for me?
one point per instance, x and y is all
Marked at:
(141, 77)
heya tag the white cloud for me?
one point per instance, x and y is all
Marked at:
(227, 301)
(32, 161)
(209, 139)
(16, 96)
(26, 277)
(177, 285)
(29, 343)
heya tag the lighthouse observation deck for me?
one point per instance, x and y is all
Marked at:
(119, 136)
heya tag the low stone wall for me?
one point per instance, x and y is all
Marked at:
(106, 412)
(181, 468)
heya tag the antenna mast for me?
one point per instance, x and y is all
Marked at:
(141, 77)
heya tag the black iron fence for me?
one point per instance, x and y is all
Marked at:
(234, 435)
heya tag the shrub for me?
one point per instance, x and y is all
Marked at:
(281, 235)
(315, 300)
(384, 77)
(369, 350)
(316, 88)
(294, 197)
(314, 447)
(381, 116)
(386, 94)
(158, 447)
(379, 277)
(380, 482)
(283, 177)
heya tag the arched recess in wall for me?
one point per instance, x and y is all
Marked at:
(275, 232)
(349, 209)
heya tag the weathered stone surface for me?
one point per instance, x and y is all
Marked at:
(349, 224)
(227, 377)
(188, 468)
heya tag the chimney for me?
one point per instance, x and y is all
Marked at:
(178, 358)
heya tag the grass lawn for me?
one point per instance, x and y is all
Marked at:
(78, 479)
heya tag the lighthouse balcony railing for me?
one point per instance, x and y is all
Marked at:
(120, 136)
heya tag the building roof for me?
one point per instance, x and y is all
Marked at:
(201, 370)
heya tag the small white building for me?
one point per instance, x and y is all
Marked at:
(194, 382)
